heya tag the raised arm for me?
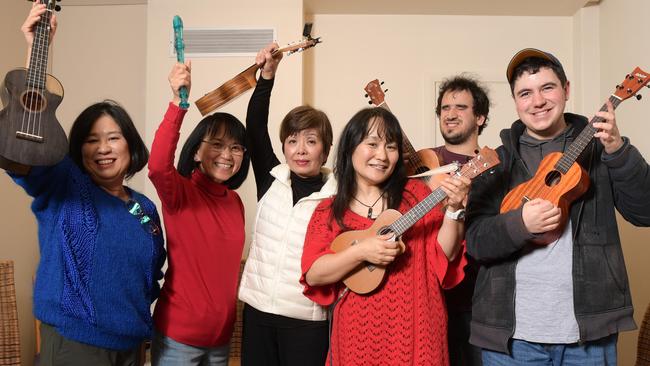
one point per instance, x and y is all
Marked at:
(162, 172)
(257, 120)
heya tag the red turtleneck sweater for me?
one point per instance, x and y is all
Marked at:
(204, 224)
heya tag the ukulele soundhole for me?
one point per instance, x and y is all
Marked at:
(553, 178)
(384, 230)
(33, 101)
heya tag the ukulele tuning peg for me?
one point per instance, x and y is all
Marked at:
(619, 87)
(386, 91)
(57, 8)
(369, 102)
(628, 76)
(648, 86)
(382, 83)
(638, 96)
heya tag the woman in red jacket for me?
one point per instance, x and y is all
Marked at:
(204, 222)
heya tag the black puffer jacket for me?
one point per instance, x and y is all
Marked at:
(602, 300)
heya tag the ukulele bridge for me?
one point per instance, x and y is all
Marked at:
(29, 136)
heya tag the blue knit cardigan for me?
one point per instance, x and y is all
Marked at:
(99, 266)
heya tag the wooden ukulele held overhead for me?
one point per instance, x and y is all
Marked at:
(419, 161)
(246, 79)
(559, 179)
(30, 134)
(366, 276)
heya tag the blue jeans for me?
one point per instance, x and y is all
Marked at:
(601, 352)
(167, 352)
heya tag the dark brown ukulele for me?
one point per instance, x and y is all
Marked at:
(559, 179)
(30, 134)
(366, 276)
(418, 161)
(246, 79)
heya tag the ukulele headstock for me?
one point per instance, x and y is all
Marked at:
(307, 42)
(632, 83)
(50, 4)
(375, 92)
(484, 160)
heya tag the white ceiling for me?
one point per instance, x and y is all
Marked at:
(438, 7)
(448, 7)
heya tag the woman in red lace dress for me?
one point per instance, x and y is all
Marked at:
(403, 321)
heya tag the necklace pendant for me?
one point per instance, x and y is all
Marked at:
(370, 212)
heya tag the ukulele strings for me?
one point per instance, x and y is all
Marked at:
(35, 73)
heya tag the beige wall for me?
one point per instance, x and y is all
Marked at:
(412, 53)
(623, 34)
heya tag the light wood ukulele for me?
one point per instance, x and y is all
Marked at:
(559, 178)
(246, 79)
(366, 276)
(418, 161)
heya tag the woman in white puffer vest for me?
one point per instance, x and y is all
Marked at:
(281, 325)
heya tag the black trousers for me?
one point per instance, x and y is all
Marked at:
(275, 340)
(461, 352)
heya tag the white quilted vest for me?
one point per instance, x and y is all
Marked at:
(270, 279)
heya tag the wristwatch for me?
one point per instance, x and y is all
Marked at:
(455, 215)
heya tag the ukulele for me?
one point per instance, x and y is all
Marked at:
(419, 161)
(559, 179)
(246, 79)
(30, 134)
(366, 276)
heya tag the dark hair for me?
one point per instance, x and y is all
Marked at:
(210, 127)
(481, 107)
(532, 65)
(352, 135)
(304, 117)
(86, 120)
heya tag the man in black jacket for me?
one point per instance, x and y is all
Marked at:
(563, 302)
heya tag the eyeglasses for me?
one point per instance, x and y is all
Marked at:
(136, 210)
(218, 147)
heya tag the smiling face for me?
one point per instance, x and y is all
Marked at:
(540, 100)
(303, 152)
(374, 159)
(219, 157)
(458, 124)
(105, 153)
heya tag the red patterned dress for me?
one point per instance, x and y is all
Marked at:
(404, 321)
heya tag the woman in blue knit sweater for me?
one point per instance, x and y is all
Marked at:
(101, 248)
